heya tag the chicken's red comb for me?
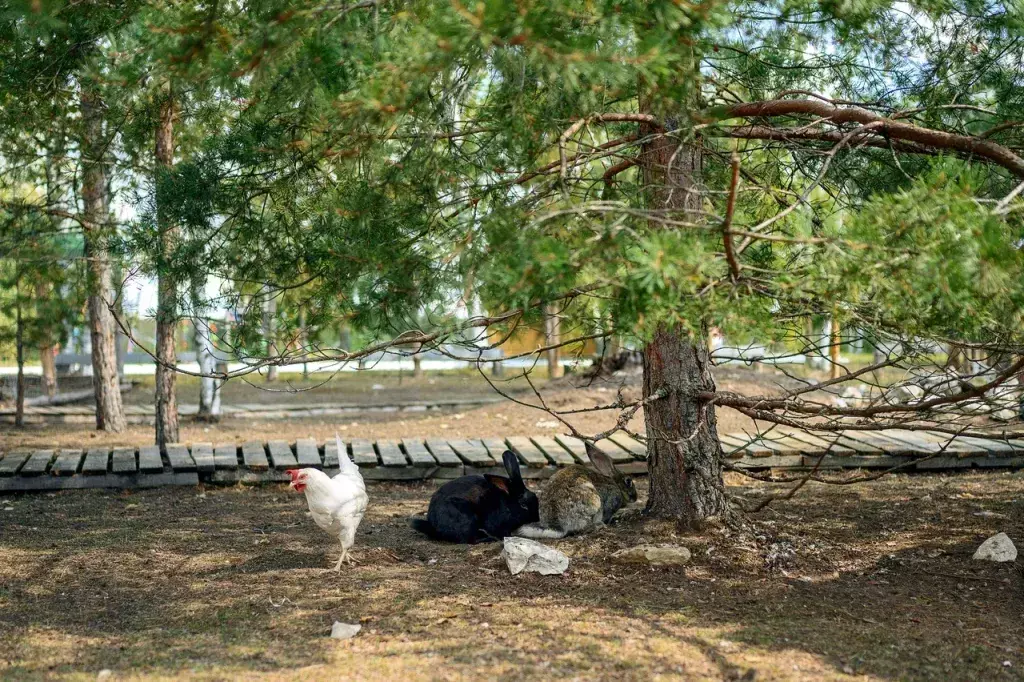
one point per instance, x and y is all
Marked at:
(293, 474)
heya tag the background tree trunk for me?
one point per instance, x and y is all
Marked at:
(552, 335)
(417, 366)
(270, 329)
(106, 386)
(684, 454)
(47, 349)
(202, 332)
(19, 348)
(167, 290)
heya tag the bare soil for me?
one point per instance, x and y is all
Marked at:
(870, 582)
(503, 419)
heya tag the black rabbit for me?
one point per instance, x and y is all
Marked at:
(479, 508)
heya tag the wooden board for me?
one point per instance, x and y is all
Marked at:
(96, 461)
(390, 454)
(418, 453)
(830, 444)
(225, 456)
(995, 446)
(179, 457)
(575, 446)
(116, 481)
(630, 444)
(66, 463)
(331, 453)
(443, 453)
(740, 444)
(613, 450)
(122, 461)
(527, 452)
(472, 453)
(363, 453)
(942, 442)
(281, 455)
(497, 448)
(202, 455)
(37, 463)
(553, 451)
(150, 460)
(306, 453)
(254, 455)
(879, 443)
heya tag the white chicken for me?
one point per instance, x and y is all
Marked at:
(336, 504)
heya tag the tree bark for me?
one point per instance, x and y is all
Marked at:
(552, 334)
(833, 349)
(167, 289)
(417, 366)
(106, 386)
(270, 330)
(19, 347)
(684, 454)
(202, 331)
(47, 349)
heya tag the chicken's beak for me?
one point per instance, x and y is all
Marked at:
(294, 475)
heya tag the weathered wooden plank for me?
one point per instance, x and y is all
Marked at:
(254, 455)
(771, 462)
(363, 453)
(443, 453)
(150, 460)
(554, 452)
(575, 446)
(202, 455)
(225, 456)
(617, 453)
(741, 444)
(630, 444)
(281, 455)
(12, 461)
(472, 453)
(306, 453)
(105, 480)
(993, 445)
(527, 452)
(418, 453)
(945, 442)
(122, 461)
(880, 443)
(829, 444)
(331, 453)
(66, 463)
(37, 463)
(179, 457)
(496, 447)
(96, 460)
(390, 454)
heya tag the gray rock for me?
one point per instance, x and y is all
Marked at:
(344, 630)
(999, 548)
(521, 554)
(654, 555)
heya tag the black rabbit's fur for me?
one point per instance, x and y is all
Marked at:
(480, 508)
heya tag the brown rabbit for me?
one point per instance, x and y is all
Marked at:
(578, 499)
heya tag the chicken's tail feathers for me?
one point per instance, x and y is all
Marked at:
(345, 465)
(423, 526)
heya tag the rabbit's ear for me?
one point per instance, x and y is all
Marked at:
(508, 458)
(602, 462)
(498, 482)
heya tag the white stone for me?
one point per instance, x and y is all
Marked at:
(999, 548)
(664, 555)
(104, 674)
(521, 554)
(344, 630)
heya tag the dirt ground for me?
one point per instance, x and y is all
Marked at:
(503, 419)
(866, 582)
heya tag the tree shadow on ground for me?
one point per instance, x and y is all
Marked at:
(232, 583)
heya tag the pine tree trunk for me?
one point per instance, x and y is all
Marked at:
(47, 349)
(109, 410)
(270, 330)
(167, 291)
(684, 454)
(19, 348)
(552, 335)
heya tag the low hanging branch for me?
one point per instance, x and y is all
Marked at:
(884, 129)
